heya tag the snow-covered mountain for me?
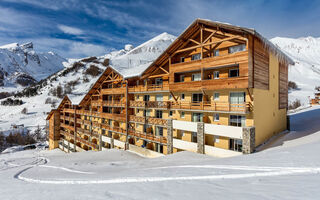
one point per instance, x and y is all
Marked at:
(74, 79)
(21, 66)
(306, 71)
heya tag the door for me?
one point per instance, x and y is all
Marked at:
(237, 99)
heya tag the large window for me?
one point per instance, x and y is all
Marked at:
(159, 97)
(237, 120)
(159, 131)
(146, 97)
(196, 77)
(234, 73)
(159, 114)
(235, 145)
(237, 99)
(159, 81)
(197, 117)
(216, 75)
(196, 98)
(234, 49)
(196, 56)
(181, 78)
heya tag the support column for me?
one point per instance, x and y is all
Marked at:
(169, 137)
(248, 140)
(200, 137)
(288, 123)
(100, 142)
(112, 143)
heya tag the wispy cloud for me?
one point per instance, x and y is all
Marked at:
(70, 30)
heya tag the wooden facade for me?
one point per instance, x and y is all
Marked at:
(209, 75)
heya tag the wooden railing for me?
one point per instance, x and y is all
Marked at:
(114, 103)
(83, 141)
(150, 104)
(148, 120)
(69, 110)
(67, 126)
(148, 136)
(120, 90)
(114, 128)
(211, 106)
(149, 87)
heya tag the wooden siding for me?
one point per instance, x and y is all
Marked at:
(261, 66)
(283, 85)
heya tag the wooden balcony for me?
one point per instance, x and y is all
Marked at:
(212, 106)
(149, 88)
(114, 103)
(67, 127)
(121, 90)
(114, 128)
(96, 124)
(148, 136)
(212, 84)
(69, 110)
(95, 102)
(148, 120)
(114, 116)
(150, 104)
(86, 122)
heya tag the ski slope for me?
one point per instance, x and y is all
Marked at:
(288, 169)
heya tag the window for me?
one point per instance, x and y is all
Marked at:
(109, 122)
(235, 145)
(182, 114)
(137, 97)
(182, 96)
(144, 144)
(159, 114)
(159, 97)
(170, 97)
(170, 113)
(158, 81)
(237, 120)
(181, 59)
(216, 117)
(237, 98)
(182, 133)
(197, 117)
(216, 96)
(137, 125)
(159, 148)
(234, 49)
(216, 75)
(196, 56)
(146, 113)
(216, 139)
(194, 137)
(137, 82)
(145, 82)
(234, 73)
(196, 77)
(146, 97)
(181, 78)
(197, 98)
(216, 52)
(159, 131)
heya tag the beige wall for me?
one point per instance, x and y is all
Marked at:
(268, 118)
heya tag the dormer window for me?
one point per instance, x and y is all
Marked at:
(196, 56)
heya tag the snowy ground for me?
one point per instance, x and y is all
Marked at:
(288, 169)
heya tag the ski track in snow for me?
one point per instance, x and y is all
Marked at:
(264, 172)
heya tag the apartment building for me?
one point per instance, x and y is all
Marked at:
(218, 89)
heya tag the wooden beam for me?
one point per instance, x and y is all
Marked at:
(206, 40)
(173, 96)
(250, 95)
(159, 75)
(192, 40)
(207, 44)
(164, 70)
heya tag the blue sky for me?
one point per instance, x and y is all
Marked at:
(78, 28)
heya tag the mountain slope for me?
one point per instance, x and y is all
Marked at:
(74, 79)
(21, 62)
(306, 71)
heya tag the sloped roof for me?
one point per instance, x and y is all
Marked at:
(192, 28)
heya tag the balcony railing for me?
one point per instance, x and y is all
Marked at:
(152, 87)
(150, 104)
(211, 106)
(114, 128)
(114, 103)
(148, 136)
(148, 120)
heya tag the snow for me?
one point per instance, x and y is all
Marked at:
(274, 173)
(306, 71)
(18, 59)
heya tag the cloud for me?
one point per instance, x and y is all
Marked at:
(87, 49)
(70, 30)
